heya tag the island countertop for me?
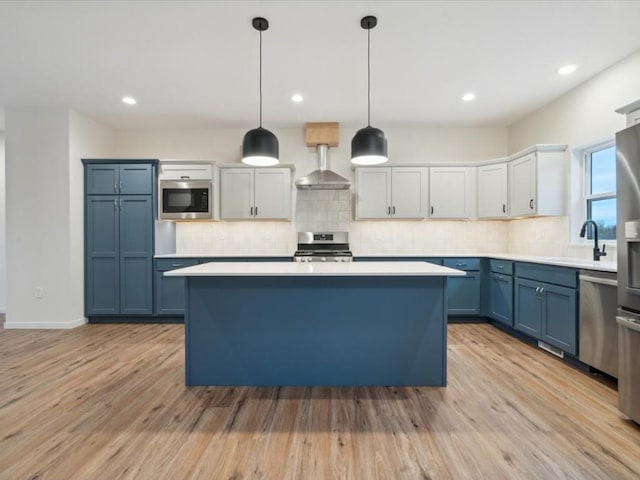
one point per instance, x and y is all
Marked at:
(296, 269)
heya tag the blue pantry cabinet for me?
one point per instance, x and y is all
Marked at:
(119, 237)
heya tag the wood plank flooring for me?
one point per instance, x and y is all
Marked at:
(108, 402)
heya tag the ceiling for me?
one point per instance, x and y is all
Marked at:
(195, 64)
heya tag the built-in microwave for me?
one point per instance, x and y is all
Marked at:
(185, 200)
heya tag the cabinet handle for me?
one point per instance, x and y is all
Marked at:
(256, 211)
(185, 177)
(176, 264)
(388, 210)
(500, 267)
(121, 186)
(431, 209)
(461, 264)
(394, 210)
(500, 277)
(115, 188)
(531, 204)
(120, 204)
(115, 203)
(504, 208)
(251, 211)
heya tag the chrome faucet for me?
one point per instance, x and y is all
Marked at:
(596, 249)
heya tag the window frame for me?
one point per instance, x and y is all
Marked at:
(587, 197)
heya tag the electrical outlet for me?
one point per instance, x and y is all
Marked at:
(38, 292)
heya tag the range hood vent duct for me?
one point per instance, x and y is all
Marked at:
(323, 178)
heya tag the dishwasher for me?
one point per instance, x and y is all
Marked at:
(598, 330)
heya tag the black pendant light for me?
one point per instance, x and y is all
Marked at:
(260, 146)
(369, 145)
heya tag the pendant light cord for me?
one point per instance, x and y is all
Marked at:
(368, 77)
(260, 78)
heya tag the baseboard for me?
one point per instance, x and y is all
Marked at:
(9, 325)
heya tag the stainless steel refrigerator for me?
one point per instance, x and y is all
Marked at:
(628, 242)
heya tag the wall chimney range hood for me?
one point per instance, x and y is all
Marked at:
(322, 136)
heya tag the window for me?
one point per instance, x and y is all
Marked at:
(600, 190)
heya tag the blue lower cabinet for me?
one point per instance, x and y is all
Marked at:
(559, 319)
(464, 294)
(170, 290)
(528, 307)
(501, 298)
(547, 312)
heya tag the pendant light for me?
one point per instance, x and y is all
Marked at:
(260, 146)
(369, 145)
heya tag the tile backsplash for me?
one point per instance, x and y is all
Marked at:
(331, 210)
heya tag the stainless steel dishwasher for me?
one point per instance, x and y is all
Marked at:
(598, 329)
(629, 379)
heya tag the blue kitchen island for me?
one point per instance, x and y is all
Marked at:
(302, 324)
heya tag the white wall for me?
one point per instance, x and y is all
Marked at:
(44, 215)
(87, 139)
(3, 230)
(317, 210)
(584, 116)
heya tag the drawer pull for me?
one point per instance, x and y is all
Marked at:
(176, 264)
(500, 267)
(461, 264)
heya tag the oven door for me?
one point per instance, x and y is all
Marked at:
(185, 200)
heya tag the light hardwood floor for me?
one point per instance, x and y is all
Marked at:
(108, 402)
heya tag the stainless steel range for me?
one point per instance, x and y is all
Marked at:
(323, 247)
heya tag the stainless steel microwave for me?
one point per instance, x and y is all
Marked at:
(185, 200)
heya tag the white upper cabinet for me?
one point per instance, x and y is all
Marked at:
(185, 171)
(391, 192)
(538, 183)
(255, 193)
(452, 192)
(492, 191)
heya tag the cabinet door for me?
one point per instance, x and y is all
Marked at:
(374, 193)
(528, 307)
(170, 290)
(522, 186)
(501, 298)
(409, 192)
(103, 179)
(272, 193)
(136, 254)
(450, 192)
(136, 179)
(463, 294)
(102, 281)
(236, 193)
(559, 319)
(492, 191)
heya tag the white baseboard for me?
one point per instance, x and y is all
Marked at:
(8, 325)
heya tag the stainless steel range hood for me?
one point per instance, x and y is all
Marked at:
(322, 136)
(323, 178)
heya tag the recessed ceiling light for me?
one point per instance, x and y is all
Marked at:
(467, 97)
(566, 70)
(129, 100)
(297, 98)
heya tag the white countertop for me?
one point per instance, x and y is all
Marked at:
(601, 266)
(288, 269)
(558, 261)
(224, 255)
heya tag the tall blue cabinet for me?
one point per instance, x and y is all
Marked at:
(120, 209)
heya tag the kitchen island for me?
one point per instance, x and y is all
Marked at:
(276, 324)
